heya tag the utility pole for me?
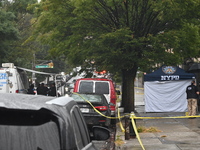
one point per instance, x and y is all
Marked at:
(33, 68)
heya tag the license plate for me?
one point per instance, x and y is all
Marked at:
(84, 110)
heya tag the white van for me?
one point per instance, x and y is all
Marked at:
(12, 79)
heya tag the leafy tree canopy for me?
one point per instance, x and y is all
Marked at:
(7, 28)
(121, 35)
(8, 31)
(14, 29)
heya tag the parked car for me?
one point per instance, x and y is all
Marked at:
(91, 116)
(36, 122)
(98, 86)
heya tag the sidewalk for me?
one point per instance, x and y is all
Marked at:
(176, 133)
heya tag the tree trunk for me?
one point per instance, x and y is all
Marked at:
(128, 97)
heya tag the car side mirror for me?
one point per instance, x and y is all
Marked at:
(100, 133)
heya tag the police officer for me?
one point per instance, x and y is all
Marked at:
(192, 97)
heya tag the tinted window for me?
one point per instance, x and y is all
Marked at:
(86, 87)
(101, 88)
(24, 78)
(28, 130)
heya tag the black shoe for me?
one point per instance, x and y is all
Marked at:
(192, 117)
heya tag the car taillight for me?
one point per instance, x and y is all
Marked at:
(101, 108)
(102, 120)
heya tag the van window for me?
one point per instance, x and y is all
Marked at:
(86, 87)
(24, 78)
(101, 88)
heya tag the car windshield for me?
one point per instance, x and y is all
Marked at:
(89, 97)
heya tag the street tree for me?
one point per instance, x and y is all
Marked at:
(19, 53)
(19, 19)
(121, 35)
(8, 31)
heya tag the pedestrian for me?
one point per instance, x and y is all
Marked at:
(31, 89)
(192, 97)
(45, 89)
(42, 89)
(39, 89)
(52, 90)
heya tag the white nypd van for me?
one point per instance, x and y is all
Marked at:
(12, 79)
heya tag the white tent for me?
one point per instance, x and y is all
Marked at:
(165, 89)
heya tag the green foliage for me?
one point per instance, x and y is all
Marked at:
(8, 32)
(7, 28)
(19, 7)
(119, 34)
(15, 25)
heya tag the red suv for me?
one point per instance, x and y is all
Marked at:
(98, 86)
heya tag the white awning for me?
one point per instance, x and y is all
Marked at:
(38, 72)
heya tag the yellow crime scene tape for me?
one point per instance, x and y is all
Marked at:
(133, 117)
(135, 129)
(120, 122)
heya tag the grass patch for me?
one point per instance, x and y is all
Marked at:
(143, 129)
(119, 141)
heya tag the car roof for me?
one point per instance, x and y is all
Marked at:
(95, 79)
(33, 102)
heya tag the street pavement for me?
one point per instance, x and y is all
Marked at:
(175, 133)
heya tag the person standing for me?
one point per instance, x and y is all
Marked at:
(45, 89)
(192, 97)
(39, 89)
(42, 89)
(31, 89)
(52, 90)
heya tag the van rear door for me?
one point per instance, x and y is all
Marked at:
(97, 87)
(103, 87)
